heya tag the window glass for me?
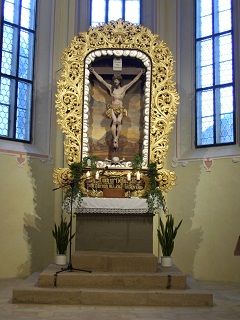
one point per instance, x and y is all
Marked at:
(98, 12)
(132, 11)
(115, 9)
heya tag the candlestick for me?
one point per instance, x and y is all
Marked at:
(129, 191)
(96, 182)
(129, 176)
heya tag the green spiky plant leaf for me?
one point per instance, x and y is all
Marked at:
(167, 234)
(61, 234)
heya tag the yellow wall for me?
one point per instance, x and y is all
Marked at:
(26, 199)
(208, 203)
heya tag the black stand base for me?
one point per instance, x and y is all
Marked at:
(68, 269)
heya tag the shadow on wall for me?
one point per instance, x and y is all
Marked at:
(38, 224)
(182, 201)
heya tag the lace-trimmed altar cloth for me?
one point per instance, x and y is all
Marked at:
(113, 205)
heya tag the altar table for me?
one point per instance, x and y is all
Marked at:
(114, 224)
(113, 205)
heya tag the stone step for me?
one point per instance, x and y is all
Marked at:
(164, 278)
(114, 261)
(115, 279)
(193, 296)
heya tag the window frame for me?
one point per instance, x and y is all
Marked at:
(214, 87)
(43, 91)
(184, 147)
(123, 12)
(12, 121)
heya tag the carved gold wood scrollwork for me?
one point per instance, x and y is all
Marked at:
(73, 94)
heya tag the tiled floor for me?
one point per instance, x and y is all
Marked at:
(226, 306)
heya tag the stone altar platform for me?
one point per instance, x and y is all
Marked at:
(139, 282)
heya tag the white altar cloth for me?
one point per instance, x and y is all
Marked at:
(113, 205)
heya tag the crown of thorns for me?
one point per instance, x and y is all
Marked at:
(118, 77)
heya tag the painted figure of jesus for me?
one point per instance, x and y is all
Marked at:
(115, 110)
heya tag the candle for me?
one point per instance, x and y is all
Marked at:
(138, 176)
(97, 175)
(129, 176)
(88, 174)
(89, 162)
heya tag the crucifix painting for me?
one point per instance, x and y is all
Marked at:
(116, 111)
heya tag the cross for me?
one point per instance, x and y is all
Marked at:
(124, 71)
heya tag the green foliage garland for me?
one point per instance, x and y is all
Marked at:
(76, 170)
(155, 198)
(137, 163)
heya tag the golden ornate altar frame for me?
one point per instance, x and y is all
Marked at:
(117, 38)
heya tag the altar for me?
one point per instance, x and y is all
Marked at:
(117, 225)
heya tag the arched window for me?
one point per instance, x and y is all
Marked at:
(17, 60)
(215, 102)
(103, 11)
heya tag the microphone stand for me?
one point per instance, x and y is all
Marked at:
(69, 266)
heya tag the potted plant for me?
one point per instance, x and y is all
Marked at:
(166, 236)
(61, 234)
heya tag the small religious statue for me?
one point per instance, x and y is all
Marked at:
(115, 110)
